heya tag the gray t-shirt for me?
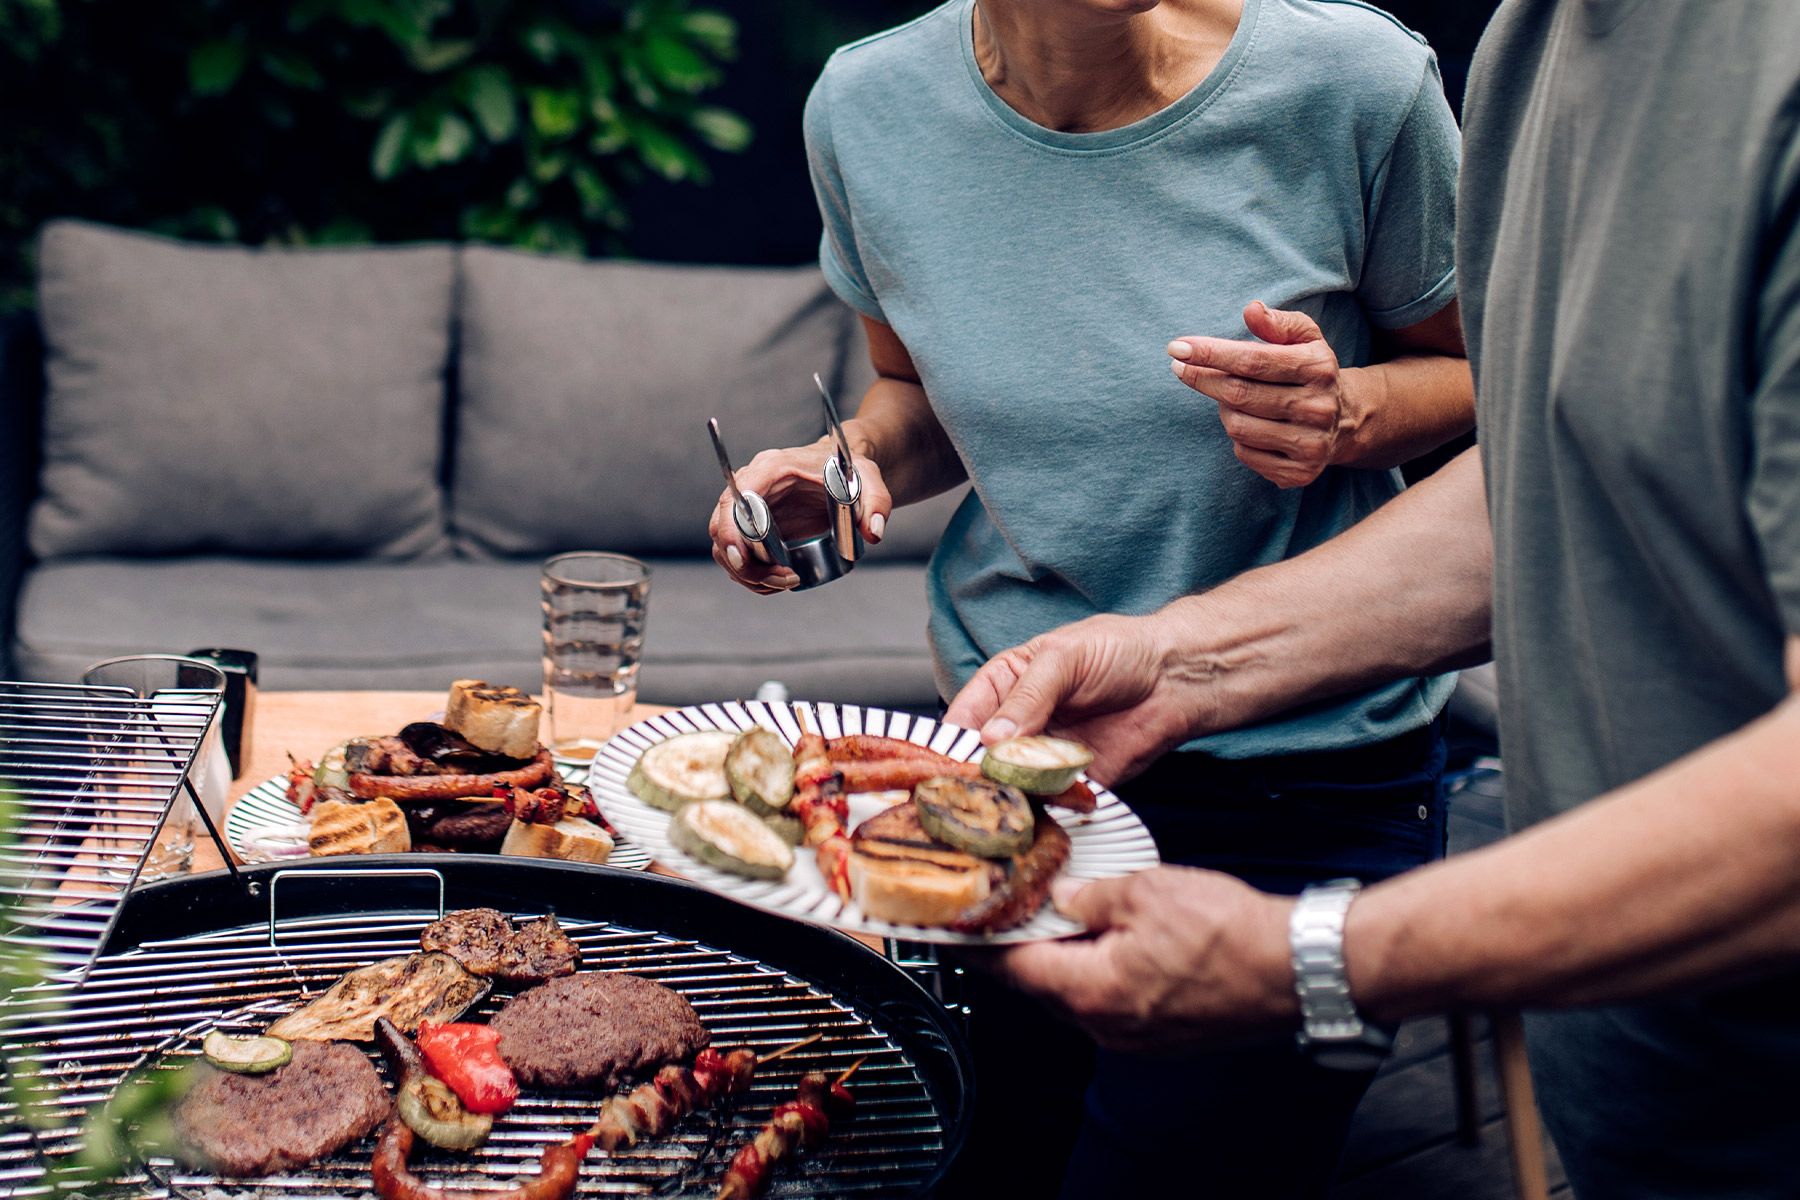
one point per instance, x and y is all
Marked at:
(1630, 254)
(1036, 276)
(1632, 266)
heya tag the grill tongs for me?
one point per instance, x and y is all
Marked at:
(823, 557)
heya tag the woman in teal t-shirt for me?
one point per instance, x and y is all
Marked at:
(1039, 207)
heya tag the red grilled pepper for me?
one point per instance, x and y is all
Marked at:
(467, 1057)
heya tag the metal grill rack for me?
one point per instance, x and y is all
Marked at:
(152, 1003)
(92, 773)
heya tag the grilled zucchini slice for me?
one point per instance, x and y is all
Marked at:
(760, 769)
(730, 837)
(681, 770)
(246, 1055)
(980, 816)
(1042, 766)
(332, 771)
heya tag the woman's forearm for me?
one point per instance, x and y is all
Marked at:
(1397, 410)
(897, 430)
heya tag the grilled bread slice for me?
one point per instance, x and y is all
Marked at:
(900, 873)
(376, 827)
(500, 720)
(572, 839)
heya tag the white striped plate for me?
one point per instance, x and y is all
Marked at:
(264, 827)
(1108, 842)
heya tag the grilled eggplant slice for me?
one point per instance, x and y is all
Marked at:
(730, 837)
(1040, 765)
(407, 989)
(983, 817)
(681, 770)
(760, 769)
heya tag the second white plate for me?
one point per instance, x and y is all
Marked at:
(1108, 842)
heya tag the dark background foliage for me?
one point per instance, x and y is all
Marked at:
(577, 126)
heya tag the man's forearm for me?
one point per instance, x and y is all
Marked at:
(1685, 876)
(1403, 408)
(1407, 591)
(896, 428)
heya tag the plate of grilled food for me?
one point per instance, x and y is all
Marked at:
(491, 1037)
(476, 781)
(870, 821)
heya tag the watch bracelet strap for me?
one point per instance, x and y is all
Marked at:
(1316, 945)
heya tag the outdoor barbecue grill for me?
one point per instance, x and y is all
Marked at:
(194, 953)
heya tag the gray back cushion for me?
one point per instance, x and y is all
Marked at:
(585, 389)
(248, 401)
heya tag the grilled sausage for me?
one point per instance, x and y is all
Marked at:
(407, 788)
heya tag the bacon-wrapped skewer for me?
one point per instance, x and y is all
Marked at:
(821, 804)
(651, 1109)
(800, 1124)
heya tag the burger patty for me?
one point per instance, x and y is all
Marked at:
(328, 1096)
(597, 1029)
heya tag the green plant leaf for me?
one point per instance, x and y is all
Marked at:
(722, 129)
(596, 198)
(541, 43)
(487, 92)
(553, 236)
(214, 67)
(716, 31)
(555, 113)
(433, 57)
(523, 194)
(677, 65)
(439, 138)
(289, 67)
(390, 144)
(547, 168)
(490, 223)
(667, 155)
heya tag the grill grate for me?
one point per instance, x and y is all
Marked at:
(91, 773)
(155, 1002)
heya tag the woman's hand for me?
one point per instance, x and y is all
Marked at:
(1282, 401)
(793, 482)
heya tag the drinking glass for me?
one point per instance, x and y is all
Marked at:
(595, 607)
(180, 691)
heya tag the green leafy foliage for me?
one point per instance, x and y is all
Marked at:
(330, 121)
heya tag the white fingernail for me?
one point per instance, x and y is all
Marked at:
(877, 526)
(998, 730)
(1180, 349)
(735, 557)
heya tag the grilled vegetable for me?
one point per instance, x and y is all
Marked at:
(730, 837)
(1040, 765)
(407, 989)
(760, 770)
(246, 1056)
(467, 1057)
(982, 817)
(431, 1110)
(1018, 899)
(331, 771)
(685, 768)
(789, 829)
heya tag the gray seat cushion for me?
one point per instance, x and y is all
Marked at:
(217, 398)
(584, 389)
(326, 625)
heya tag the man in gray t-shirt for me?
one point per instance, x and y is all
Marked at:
(1629, 250)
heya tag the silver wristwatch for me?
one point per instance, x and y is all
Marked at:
(1331, 1032)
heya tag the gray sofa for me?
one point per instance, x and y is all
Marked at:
(352, 461)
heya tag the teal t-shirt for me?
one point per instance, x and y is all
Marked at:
(1036, 276)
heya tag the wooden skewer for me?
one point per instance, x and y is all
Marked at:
(775, 1054)
(847, 1074)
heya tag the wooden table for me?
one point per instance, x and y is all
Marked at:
(306, 724)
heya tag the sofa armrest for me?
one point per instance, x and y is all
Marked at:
(21, 412)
